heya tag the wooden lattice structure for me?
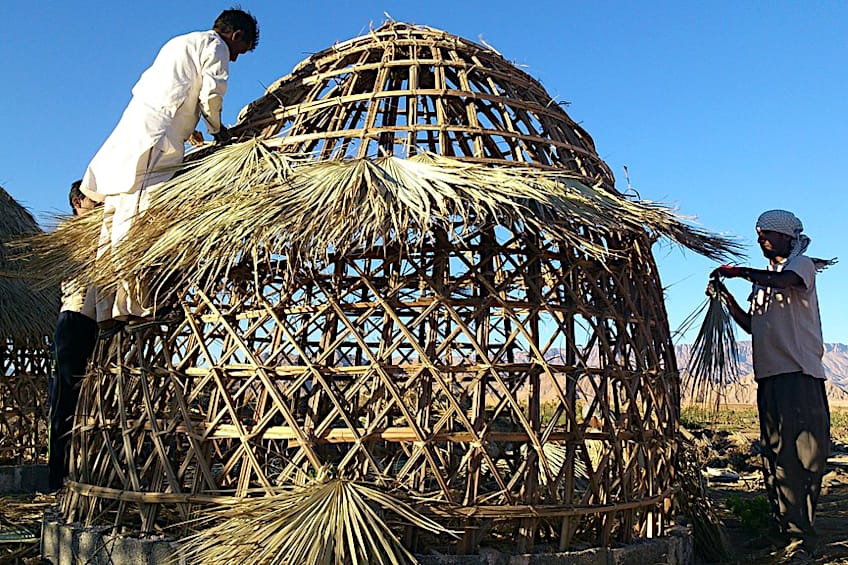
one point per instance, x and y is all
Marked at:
(521, 382)
(27, 315)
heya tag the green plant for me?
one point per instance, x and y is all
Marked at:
(752, 512)
(694, 417)
(839, 424)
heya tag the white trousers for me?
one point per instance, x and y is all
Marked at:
(120, 211)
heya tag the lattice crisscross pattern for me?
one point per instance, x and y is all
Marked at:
(401, 89)
(506, 377)
(25, 366)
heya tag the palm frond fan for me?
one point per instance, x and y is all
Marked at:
(714, 357)
(325, 522)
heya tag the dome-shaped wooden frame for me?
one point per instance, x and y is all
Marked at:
(520, 383)
(403, 89)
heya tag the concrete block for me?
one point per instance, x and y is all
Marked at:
(23, 479)
(681, 546)
(88, 545)
(7, 479)
(67, 551)
(640, 552)
(591, 556)
(136, 551)
(50, 546)
(437, 558)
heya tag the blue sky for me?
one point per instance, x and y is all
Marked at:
(722, 109)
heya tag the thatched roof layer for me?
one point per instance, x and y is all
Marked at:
(248, 201)
(26, 313)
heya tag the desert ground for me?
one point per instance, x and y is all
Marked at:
(727, 443)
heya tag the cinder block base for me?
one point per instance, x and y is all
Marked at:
(678, 548)
(23, 479)
(74, 544)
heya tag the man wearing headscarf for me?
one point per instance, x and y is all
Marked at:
(186, 81)
(786, 333)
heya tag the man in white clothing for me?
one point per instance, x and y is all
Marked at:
(187, 81)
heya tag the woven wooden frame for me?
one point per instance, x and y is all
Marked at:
(25, 366)
(427, 372)
(402, 89)
(514, 380)
(27, 315)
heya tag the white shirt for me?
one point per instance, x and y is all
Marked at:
(786, 325)
(187, 79)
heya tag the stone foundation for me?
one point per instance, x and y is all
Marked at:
(74, 544)
(23, 479)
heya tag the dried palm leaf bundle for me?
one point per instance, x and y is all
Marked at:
(714, 358)
(27, 316)
(325, 523)
(694, 503)
(27, 313)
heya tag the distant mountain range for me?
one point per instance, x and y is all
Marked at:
(744, 391)
(835, 362)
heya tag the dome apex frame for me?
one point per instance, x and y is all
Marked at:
(402, 88)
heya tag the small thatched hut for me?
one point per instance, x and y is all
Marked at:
(27, 316)
(419, 275)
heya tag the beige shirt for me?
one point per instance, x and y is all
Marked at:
(786, 326)
(78, 298)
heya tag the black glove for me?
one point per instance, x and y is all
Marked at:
(223, 136)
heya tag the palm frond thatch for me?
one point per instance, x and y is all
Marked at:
(23, 515)
(693, 501)
(248, 199)
(27, 313)
(714, 358)
(323, 523)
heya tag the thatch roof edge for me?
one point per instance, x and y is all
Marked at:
(247, 197)
(27, 313)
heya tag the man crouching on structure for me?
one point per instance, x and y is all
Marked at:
(785, 328)
(187, 80)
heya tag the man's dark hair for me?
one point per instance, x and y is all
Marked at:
(235, 19)
(75, 194)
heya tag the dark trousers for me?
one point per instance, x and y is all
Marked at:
(73, 343)
(795, 441)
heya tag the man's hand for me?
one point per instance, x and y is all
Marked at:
(196, 139)
(716, 288)
(223, 136)
(731, 271)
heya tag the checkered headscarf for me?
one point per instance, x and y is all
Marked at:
(783, 221)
